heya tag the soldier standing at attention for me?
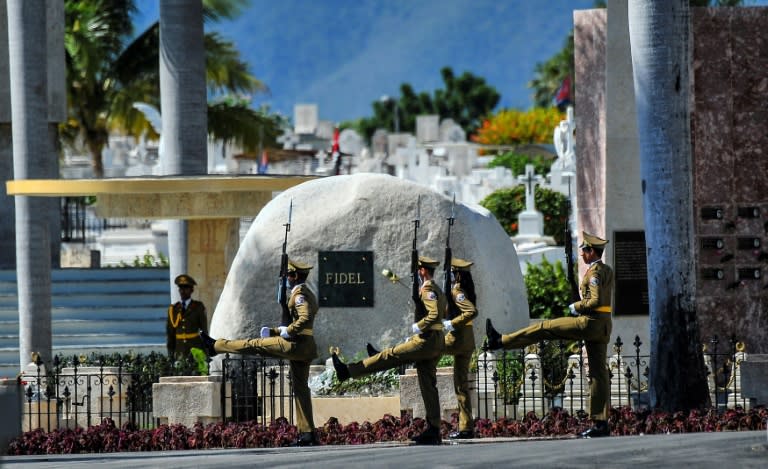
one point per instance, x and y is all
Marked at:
(591, 323)
(294, 342)
(460, 341)
(423, 348)
(185, 318)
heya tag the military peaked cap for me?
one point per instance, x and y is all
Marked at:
(425, 261)
(591, 241)
(296, 266)
(185, 280)
(460, 264)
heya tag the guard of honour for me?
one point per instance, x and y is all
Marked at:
(442, 325)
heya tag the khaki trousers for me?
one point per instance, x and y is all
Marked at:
(595, 331)
(299, 353)
(461, 343)
(424, 353)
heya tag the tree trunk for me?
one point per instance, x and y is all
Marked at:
(29, 108)
(659, 38)
(183, 104)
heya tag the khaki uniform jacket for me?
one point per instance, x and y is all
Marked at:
(181, 327)
(303, 307)
(596, 289)
(435, 305)
(462, 338)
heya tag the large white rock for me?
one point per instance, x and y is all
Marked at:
(368, 212)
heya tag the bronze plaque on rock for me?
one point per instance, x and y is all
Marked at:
(345, 278)
(630, 273)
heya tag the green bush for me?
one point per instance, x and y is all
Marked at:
(147, 260)
(516, 162)
(548, 291)
(506, 205)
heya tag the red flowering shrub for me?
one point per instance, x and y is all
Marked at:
(107, 438)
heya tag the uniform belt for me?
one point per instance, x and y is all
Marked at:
(305, 332)
(191, 335)
(602, 309)
(435, 327)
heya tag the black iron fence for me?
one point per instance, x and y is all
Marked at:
(256, 388)
(79, 392)
(79, 224)
(556, 374)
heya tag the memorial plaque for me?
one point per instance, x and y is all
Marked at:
(712, 213)
(630, 273)
(712, 243)
(345, 278)
(749, 273)
(748, 243)
(749, 212)
(712, 274)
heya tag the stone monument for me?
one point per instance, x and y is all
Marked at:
(368, 217)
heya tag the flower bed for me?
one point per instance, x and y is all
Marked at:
(107, 438)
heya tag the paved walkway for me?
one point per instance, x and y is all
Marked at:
(699, 450)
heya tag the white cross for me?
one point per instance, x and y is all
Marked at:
(530, 179)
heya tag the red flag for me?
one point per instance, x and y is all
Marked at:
(563, 94)
(263, 163)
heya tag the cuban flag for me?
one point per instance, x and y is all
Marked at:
(563, 94)
(263, 163)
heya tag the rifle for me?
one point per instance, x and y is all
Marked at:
(452, 310)
(282, 287)
(419, 310)
(575, 296)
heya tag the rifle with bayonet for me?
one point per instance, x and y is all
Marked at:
(452, 309)
(569, 261)
(282, 289)
(419, 310)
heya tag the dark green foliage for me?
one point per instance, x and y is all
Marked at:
(548, 291)
(506, 204)
(516, 162)
(466, 99)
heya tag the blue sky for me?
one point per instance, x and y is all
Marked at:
(344, 54)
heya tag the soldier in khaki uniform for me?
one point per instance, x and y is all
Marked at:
(294, 342)
(423, 348)
(592, 323)
(185, 318)
(460, 341)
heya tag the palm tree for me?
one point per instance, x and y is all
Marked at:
(107, 73)
(31, 159)
(659, 38)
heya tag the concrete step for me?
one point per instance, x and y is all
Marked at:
(75, 299)
(92, 326)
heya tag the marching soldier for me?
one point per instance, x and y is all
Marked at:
(423, 348)
(591, 322)
(460, 342)
(185, 318)
(294, 342)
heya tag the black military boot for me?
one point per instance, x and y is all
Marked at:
(494, 338)
(307, 439)
(461, 434)
(208, 343)
(371, 350)
(599, 428)
(430, 436)
(342, 370)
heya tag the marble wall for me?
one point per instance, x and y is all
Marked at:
(729, 84)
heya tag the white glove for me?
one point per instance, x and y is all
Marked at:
(283, 332)
(264, 332)
(415, 328)
(572, 310)
(447, 325)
